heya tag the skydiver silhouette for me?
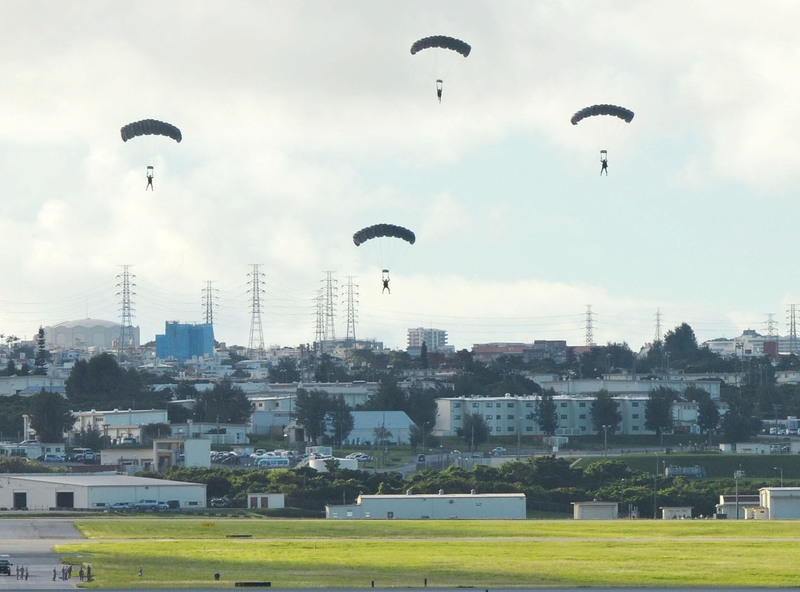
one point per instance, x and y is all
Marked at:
(386, 285)
(604, 166)
(149, 179)
(439, 90)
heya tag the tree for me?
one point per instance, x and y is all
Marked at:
(311, 411)
(546, 413)
(90, 438)
(340, 419)
(389, 397)
(224, 403)
(605, 412)
(285, 371)
(50, 416)
(474, 430)
(658, 410)
(707, 415)
(423, 355)
(40, 361)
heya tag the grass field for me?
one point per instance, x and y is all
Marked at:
(483, 554)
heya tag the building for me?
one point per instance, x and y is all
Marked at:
(470, 506)
(163, 454)
(541, 349)
(779, 503)
(262, 501)
(30, 385)
(396, 426)
(595, 510)
(515, 415)
(232, 434)
(87, 334)
(184, 341)
(625, 384)
(89, 491)
(118, 424)
(434, 339)
(736, 506)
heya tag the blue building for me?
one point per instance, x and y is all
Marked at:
(183, 341)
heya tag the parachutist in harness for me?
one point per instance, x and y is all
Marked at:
(385, 280)
(439, 89)
(149, 179)
(604, 162)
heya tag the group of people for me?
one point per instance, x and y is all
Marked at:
(22, 572)
(66, 573)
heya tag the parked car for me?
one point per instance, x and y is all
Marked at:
(221, 502)
(5, 565)
(52, 458)
(148, 505)
(499, 451)
(121, 507)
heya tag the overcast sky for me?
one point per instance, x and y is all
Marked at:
(305, 121)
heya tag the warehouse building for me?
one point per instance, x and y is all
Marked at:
(93, 491)
(466, 506)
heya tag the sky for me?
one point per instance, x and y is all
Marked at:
(304, 121)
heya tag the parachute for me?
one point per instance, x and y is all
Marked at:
(613, 110)
(150, 127)
(443, 42)
(383, 230)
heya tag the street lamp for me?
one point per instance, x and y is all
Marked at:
(605, 439)
(781, 470)
(655, 490)
(736, 476)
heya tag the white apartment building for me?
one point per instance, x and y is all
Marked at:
(434, 339)
(512, 415)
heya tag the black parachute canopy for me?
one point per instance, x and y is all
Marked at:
(614, 110)
(381, 230)
(150, 127)
(443, 42)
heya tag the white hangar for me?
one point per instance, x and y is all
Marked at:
(466, 506)
(93, 491)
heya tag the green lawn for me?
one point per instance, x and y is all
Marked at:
(318, 553)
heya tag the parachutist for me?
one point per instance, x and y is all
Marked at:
(439, 90)
(604, 166)
(385, 280)
(149, 179)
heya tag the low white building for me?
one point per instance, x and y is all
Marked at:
(736, 507)
(320, 464)
(87, 491)
(397, 426)
(117, 424)
(594, 510)
(780, 503)
(676, 512)
(470, 506)
(262, 501)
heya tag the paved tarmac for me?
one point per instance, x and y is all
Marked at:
(29, 543)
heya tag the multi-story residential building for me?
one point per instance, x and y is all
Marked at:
(434, 339)
(184, 341)
(515, 415)
(626, 384)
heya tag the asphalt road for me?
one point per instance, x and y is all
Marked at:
(29, 543)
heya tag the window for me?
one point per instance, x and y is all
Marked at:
(456, 417)
(498, 417)
(635, 404)
(564, 404)
(564, 416)
(489, 405)
(635, 428)
(635, 415)
(475, 405)
(582, 416)
(528, 428)
(456, 405)
(583, 428)
(529, 404)
(510, 405)
(509, 417)
(499, 405)
(488, 418)
(582, 404)
(510, 429)
(497, 429)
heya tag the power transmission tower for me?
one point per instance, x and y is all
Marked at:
(589, 329)
(658, 326)
(126, 292)
(331, 289)
(771, 324)
(319, 333)
(792, 322)
(351, 301)
(255, 345)
(208, 303)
